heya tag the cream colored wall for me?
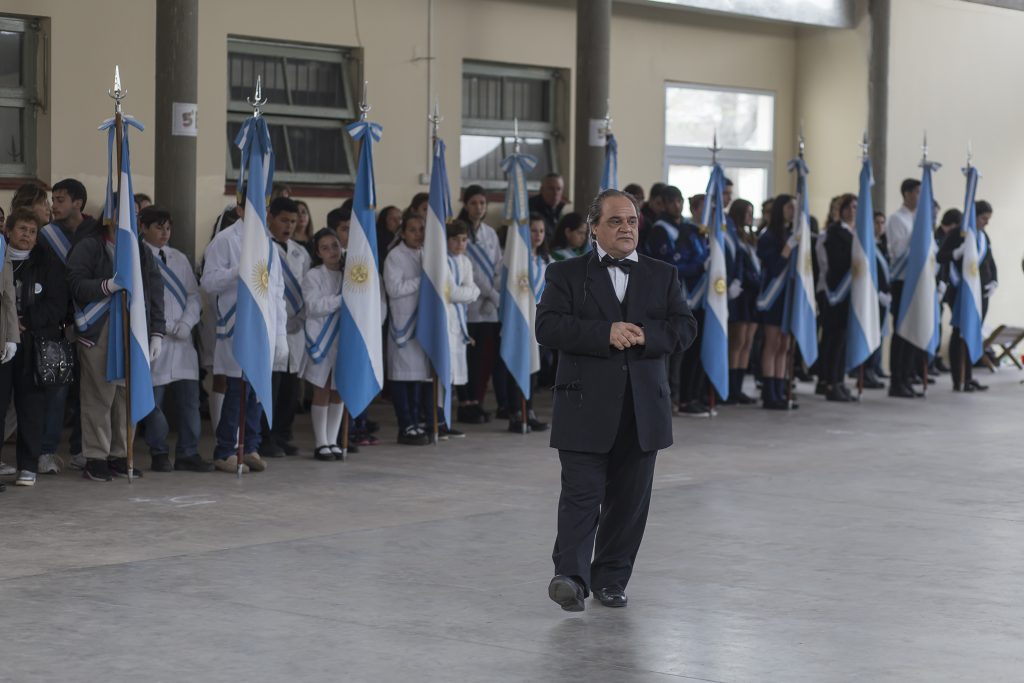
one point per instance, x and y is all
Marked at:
(832, 103)
(953, 71)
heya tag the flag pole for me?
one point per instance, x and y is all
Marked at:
(522, 398)
(344, 433)
(433, 407)
(435, 123)
(860, 382)
(256, 102)
(118, 94)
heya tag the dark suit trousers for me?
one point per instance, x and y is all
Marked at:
(605, 497)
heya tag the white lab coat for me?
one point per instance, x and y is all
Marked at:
(406, 359)
(463, 290)
(298, 262)
(178, 359)
(484, 251)
(321, 290)
(220, 281)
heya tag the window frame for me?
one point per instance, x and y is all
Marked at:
(24, 97)
(686, 155)
(299, 115)
(547, 131)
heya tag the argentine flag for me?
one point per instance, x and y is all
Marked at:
(518, 303)
(610, 174)
(967, 305)
(918, 320)
(432, 311)
(863, 333)
(127, 274)
(359, 368)
(799, 315)
(714, 350)
(255, 332)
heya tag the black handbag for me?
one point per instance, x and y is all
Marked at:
(54, 361)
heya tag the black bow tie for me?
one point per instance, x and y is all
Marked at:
(623, 264)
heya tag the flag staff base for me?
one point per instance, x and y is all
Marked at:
(924, 376)
(711, 399)
(860, 382)
(241, 427)
(344, 434)
(790, 362)
(963, 364)
(437, 430)
(522, 400)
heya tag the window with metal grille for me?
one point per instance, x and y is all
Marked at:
(18, 38)
(309, 102)
(493, 97)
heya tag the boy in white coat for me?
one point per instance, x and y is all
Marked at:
(462, 292)
(176, 370)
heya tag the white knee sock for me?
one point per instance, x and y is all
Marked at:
(216, 406)
(334, 414)
(319, 416)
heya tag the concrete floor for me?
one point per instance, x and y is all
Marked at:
(874, 542)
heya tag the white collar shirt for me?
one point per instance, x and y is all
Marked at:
(620, 278)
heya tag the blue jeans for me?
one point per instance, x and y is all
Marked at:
(58, 399)
(405, 396)
(185, 399)
(227, 430)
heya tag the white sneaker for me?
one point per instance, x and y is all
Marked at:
(50, 464)
(77, 461)
(6, 470)
(25, 478)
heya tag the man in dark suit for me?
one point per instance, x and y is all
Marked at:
(614, 317)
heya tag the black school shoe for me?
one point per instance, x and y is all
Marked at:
(96, 470)
(567, 592)
(192, 463)
(119, 467)
(471, 415)
(160, 462)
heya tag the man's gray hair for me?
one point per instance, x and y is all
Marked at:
(594, 212)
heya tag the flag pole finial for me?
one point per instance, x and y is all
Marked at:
(257, 101)
(435, 119)
(864, 145)
(924, 148)
(607, 129)
(364, 104)
(117, 94)
(714, 148)
(970, 154)
(515, 134)
(801, 141)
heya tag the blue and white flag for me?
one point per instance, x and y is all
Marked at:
(432, 310)
(967, 305)
(359, 369)
(714, 349)
(127, 274)
(255, 332)
(518, 306)
(610, 174)
(799, 315)
(918, 319)
(863, 332)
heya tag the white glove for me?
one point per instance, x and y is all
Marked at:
(793, 240)
(959, 251)
(495, 297)
(182, 330)
(735, 289)
(989, 288)
(156, 345)
(281, 351)
(7, 355)
(940, 289)
(884, 298)
(112, 286)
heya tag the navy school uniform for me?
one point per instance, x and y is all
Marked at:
(772, 296)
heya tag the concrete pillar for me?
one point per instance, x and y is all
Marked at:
(593, 51)
(878, 98)
(177, 72)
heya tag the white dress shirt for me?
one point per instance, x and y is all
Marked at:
(620, 278)
(897, 232)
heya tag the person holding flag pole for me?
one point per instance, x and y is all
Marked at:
(714, 350)
(519, 349)
(118, 294)
(918, 320)
(863, 329)
(359, 368)
(435, 285)
(961, 253)
(244, 276)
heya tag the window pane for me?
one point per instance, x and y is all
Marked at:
(498, 98)
(748, 183)
(242, 72)
(539, 148)
(10, 59)
(12, 133)
(277, 134)
(481, 97)
(316, 84)
(742, 120)
(525, 99)
(317, 150)
(480, 157)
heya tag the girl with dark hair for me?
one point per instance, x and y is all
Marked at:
(484, 250)
(571, 237)
(304, 227)
(389, 219)
(837, 246)
(773, 249)
(743, 308)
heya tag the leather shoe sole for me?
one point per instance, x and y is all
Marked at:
(567, 593)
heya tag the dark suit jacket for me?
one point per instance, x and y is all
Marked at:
(575, 316)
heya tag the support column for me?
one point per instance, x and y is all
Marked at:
(177, 72)
(878, 97)
(593, 50)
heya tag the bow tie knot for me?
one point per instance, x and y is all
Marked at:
(622, 264)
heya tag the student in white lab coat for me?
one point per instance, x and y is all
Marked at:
(176, 370)
(463, 291)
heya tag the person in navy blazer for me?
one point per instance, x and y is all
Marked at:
(614, 317)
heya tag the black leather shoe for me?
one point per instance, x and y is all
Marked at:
(288, 447)
(535, 424)
(898, 390)
(978, 386)
(611, 597)
(471, 415)
(269, 449)
(192, 463)
(836, 393)
(566, 592)
(161, 463)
